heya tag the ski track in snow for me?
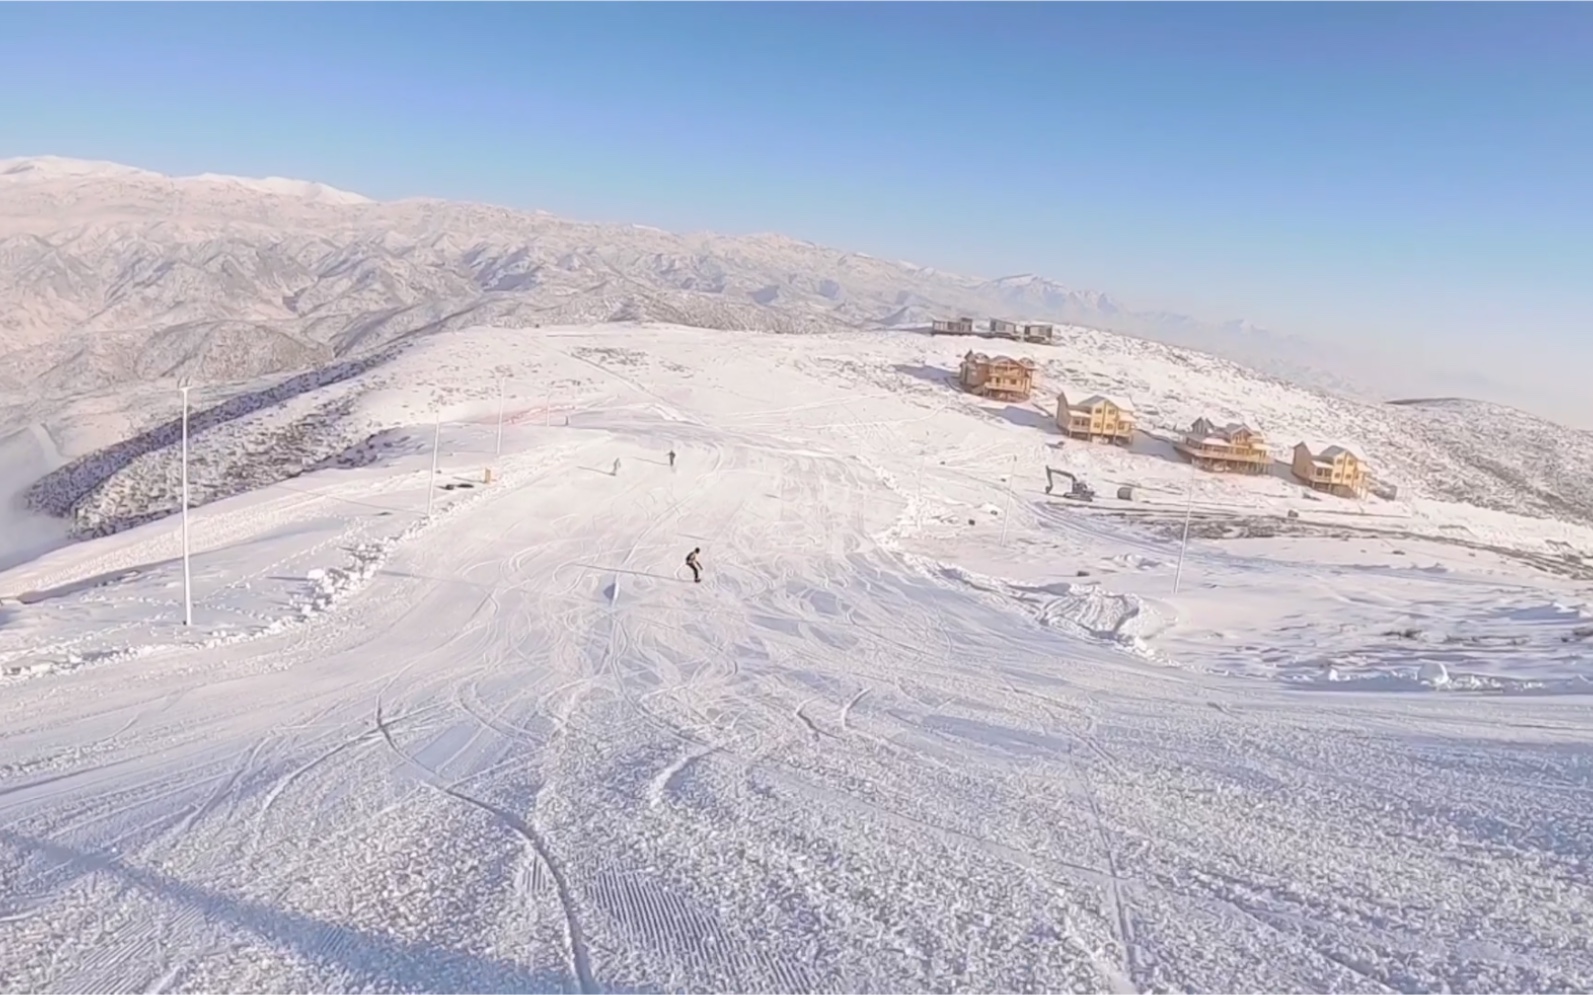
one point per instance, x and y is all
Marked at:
(512, 748)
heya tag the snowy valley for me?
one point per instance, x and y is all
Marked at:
(921, 726)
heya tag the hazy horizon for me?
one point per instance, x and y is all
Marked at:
(1399, 178)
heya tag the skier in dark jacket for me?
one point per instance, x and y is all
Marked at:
(671, 457)
(696, 567)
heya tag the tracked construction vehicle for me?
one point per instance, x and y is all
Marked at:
(1077, 490)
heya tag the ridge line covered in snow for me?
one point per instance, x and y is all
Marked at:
(94, 249)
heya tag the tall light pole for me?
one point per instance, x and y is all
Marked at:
(918, 514)
(436, 444)
(1189, 510)
(1008, 511)
(497, 451)
(188, 584)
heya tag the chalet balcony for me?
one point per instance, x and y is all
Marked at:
(1224, 454)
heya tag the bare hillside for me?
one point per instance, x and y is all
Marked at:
(111, 275)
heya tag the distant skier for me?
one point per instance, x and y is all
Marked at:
(616, 466)
(696, 567)
(671, 457)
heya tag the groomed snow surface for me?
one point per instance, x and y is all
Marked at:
(920, 727)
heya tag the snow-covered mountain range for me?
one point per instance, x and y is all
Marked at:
(111, 275)
(113, 280)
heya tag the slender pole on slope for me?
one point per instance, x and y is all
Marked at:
(918, 513)
(498, 449)
(188, 584)
(1008, 511)
(436, 445)
(1189, 510)
(547, 408)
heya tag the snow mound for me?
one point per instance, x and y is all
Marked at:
(1434, 674)
(1094, 610)
(1087, 610)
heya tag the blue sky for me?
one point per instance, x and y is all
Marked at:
(1419, 174)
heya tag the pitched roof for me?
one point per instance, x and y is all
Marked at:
(1335, 451)
(1223, 432)
(1094, 399)
(1327, 452)
(1232, 422)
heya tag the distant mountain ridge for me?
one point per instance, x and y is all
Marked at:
(111, 274)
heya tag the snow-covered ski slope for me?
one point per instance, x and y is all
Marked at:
(919, 728)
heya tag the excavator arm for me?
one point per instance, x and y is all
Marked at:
(1077, 489)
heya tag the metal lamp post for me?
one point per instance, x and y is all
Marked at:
(436, 444)
(1189, 510)
(1008, 510)
(497, 451)
(188, 587)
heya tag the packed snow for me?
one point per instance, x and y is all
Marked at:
(920, 727)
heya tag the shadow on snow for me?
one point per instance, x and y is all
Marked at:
(369, 959)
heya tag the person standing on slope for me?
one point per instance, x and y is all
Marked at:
(696, 567)
(616, 466)
(671, 457)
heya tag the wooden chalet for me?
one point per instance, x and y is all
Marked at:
(1232, 447)
(1334, 469)
(1097, 418)
(997, 376)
